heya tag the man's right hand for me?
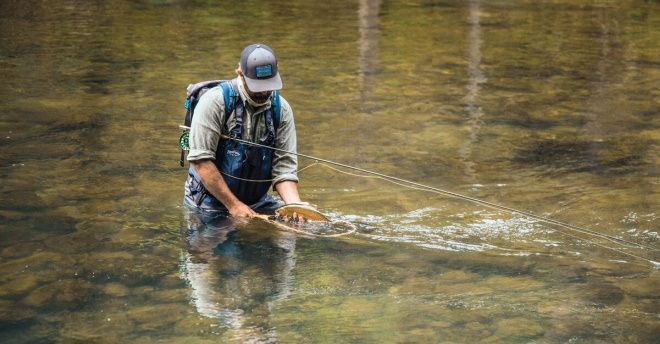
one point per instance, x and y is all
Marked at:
(214, 183)
(241, 210)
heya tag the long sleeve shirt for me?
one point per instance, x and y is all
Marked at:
(207, 126)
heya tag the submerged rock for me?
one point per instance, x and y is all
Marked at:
(648, 305)
(172, 281)
(642, 287)
(19, 285)
(563, 328)
(116, 289)
(518, 327)
(131, 269)
(323, 280)
(183, 340)
(170, 295)
(360, 306)
(479, 329)
(22, 249)
(13, 215)
(11, 313)
(559, 308)
(157, 316)
(193, 324)
(40, 263)
(65, 293)
(53, 223)
(602, 294)
(464, 289)
(42, 332)
(458, 276)
(511, 284)
(143, 291)
(96, 327)
(422, 335)
(75, 243)
(614, 156)
(111, 256)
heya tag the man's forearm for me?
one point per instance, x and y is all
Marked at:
(214, 183)
(288, 190)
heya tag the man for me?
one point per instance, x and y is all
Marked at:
(227, 177)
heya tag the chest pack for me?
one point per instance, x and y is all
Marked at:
(195, 91)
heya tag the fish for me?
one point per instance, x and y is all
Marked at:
(301, 209)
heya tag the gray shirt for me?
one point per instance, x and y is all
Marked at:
(207, 125)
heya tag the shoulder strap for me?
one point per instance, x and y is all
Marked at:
(228, 94)
(277, 109)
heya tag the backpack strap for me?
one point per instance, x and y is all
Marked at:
(229, 96)
(277, 109)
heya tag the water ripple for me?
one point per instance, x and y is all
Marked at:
(474, 232)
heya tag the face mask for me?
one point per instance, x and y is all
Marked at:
(257, 99)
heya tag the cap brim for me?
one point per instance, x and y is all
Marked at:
(263, 85)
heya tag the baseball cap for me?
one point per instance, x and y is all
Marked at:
(259, 67)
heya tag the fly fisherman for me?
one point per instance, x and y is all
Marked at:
(227, 177)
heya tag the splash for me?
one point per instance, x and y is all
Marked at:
(425, 228)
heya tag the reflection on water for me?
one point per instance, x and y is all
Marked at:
(235, 276)
(549, 107)
(476, 77)
(368, 46)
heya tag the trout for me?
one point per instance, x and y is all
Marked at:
(302, 209)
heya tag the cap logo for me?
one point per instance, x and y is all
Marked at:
(264, 71)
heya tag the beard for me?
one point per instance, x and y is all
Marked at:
(254, 98)
(260, 97)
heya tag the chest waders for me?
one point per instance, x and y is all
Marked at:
(239, 160)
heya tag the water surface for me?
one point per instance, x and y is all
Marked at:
(550, 107)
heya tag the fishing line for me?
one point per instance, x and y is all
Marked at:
(422, 187)
(657, 264)
(654, 263)
(266, 180)
(419, 186)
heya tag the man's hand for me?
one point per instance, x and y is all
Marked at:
(239, 209)
(215, 184)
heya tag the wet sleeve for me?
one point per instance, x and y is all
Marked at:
(206, 125)
(285, 165)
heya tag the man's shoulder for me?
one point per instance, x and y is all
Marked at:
(213, 94)
(210, 108)
(212, 102)
(284, 105)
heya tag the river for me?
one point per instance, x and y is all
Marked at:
(549, 107)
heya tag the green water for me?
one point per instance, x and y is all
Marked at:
(551, 107)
